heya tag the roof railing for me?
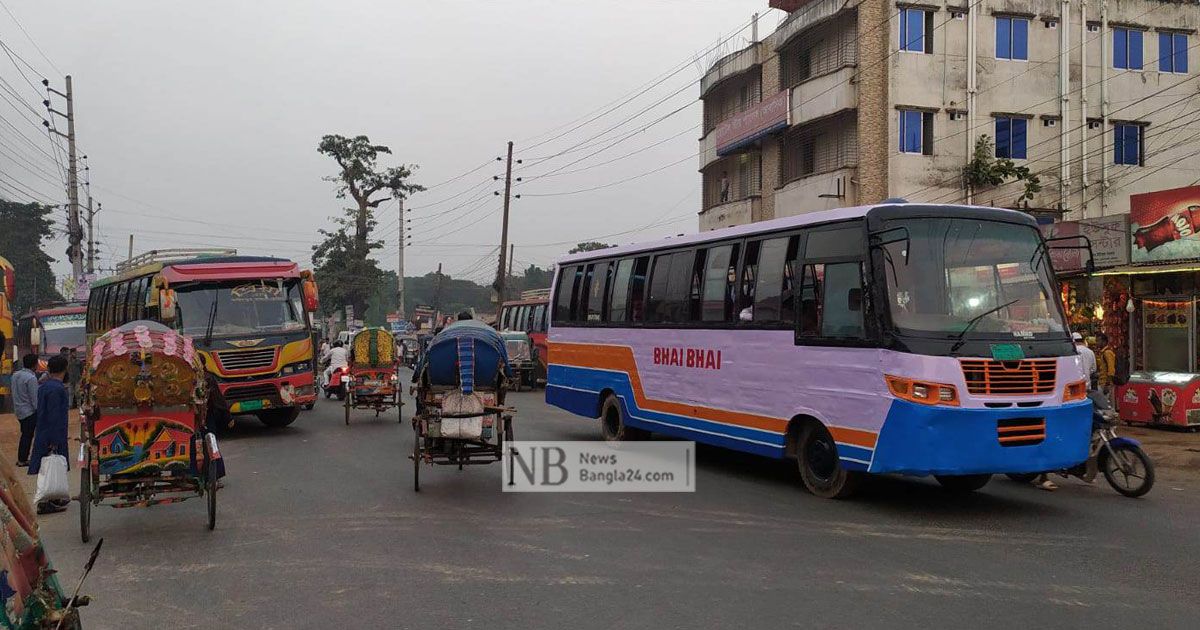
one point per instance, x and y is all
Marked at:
(174, 254)
(533, 294)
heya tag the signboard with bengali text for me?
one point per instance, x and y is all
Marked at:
(1109, 237)
(765, 117)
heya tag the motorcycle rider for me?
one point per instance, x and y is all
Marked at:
(335, 358)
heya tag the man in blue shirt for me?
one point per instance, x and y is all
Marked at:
(53, 404)
(25, 397)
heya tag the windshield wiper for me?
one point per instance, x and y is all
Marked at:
(212, 320)
(975, 320)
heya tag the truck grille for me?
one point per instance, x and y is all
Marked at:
(986, 377)
(1021, 431)
(236, 360)
(250, 392)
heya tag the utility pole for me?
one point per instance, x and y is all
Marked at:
(437, 298)
(511, 250)
(400, 267)
(130, 248)
(500, 276)
(74, 230)
(91, 234)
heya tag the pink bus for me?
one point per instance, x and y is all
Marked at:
(896, 338)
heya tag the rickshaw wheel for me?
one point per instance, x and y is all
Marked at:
(416, 461)
(210, 477)
(347, 409)
(85, 499)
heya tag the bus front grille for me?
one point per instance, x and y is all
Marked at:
(1021, 431)
(987, 377)
(238, 360)
(250, 392)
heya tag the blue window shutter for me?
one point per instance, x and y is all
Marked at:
(916, 30)
(1133, 144)
(1003, 137)
(1165, 58)
(1120, 48)
(1003, 38)
(1017, 143)
(912, 131)
(1180, 50)
(1118, 143)
(1020, 39)
(1135, 50)
(903, 35)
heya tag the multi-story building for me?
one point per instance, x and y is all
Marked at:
(855, 101)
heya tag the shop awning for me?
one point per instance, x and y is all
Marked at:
(1129, 270)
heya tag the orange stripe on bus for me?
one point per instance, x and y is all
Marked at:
(620, 359)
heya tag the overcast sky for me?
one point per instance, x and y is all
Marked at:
(201, 119)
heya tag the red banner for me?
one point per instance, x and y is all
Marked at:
(754, 123)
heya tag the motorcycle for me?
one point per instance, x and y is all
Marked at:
(1121, 460)
(336, 385)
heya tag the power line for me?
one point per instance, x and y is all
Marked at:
(27, 36)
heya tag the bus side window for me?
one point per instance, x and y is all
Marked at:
(595, 299)
(810, 300)
(579, 313)
(718, 295)
(637, 289)
(619, 297)
(768, 287)
(831, 301)
(696, 290)
(523, 319)
(675, 307)
(745, 305)
(564, 294)
(660, 277)
(118, 310)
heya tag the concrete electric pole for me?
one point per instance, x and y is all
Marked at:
(400, 267)
(500, 275)
(74, 229)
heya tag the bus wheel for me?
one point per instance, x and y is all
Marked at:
(963, 483)
(820, 469)
(278, 418)
(612, 423)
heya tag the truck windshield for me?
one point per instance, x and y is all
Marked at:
(957, 269)
(62, 331)
(242, 307)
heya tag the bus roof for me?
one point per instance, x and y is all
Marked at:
(58, 308)
(534, 300)
(810, 218)
(213, 268)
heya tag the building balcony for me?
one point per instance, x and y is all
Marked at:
(728, 66)
(815, 12)
(821, 191)
(708, 149)
(730, 213)
(824, 95)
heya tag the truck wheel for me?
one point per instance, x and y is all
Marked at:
(612, 423)
(820, 469)
(279, 418)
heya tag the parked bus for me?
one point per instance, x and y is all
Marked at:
(249, 317)
(45, 331)
(896, 338)
(8, 292)
(529, 314)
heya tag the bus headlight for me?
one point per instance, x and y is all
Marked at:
(923, 392)
(1075, 391)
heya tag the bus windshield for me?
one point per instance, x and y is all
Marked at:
(956, 271)
(63, 331)
(241, 307)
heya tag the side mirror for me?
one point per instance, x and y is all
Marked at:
(166, 305)
(1090, 266)
(309, 290)
(854, 300)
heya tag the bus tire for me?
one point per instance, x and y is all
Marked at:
(612, 422)
(963, 483)
(279, 418)
(820, 470)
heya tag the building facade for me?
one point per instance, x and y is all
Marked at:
(855, 101)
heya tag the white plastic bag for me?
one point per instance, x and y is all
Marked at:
(52, 480)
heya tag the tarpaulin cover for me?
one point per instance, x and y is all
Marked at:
(473, 341)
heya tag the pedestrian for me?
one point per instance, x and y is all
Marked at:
(25, 400)
(1106, 365)
(50, 434)
(1089, 358)
(74, 376)
(724, 186)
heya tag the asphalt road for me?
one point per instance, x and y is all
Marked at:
(318, 527)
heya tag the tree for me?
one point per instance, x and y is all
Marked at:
(589, 246)
(342, 259)
(985, 170)
(26, 227)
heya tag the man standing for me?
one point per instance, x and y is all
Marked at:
(25, 401)
(51, 432)
(1089, 358)
(74, 376)
(1106, 365)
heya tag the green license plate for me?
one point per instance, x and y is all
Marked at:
(251, 405)
(1007, 352)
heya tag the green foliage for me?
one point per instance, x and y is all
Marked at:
(24, 229)
(589, 246)
(342, 260)
(984, 171)
(456, 295)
